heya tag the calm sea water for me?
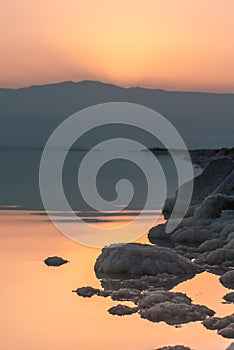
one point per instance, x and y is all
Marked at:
(38, 309)
(19, 178)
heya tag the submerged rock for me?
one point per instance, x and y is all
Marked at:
(145, 282)
(122, 310)
(176, 347)
(227, 279)
(55, 261)
(135, 259)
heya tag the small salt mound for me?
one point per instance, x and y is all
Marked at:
(55, 261)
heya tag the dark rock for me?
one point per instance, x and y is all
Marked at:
(191, 235)
(176, 347)
(144, 282)
(227, 332)
(55, 261)
(227, 279)
(122, 310)
(220, 255)
(219, 323)
(211, 245)
(176, 313)
(150, 298)
(126, 294)
(88, 292)
(204, 184)
(213, 205)
(136, 259)
(229, 297)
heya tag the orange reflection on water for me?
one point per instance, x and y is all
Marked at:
(40, 312)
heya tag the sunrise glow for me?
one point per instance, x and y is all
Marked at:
(186, 45)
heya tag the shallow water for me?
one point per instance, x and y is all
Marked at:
(39, 311)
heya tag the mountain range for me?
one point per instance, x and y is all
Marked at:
(29, 115)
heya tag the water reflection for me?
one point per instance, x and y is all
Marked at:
(40, 311)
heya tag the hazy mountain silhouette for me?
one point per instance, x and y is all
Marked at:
(29, 115)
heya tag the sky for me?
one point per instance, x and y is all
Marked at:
(168, 44)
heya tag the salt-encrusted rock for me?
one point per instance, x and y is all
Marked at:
(204, 157)
(159, 232)
(176, 313)
(126, 294)
(204, 184)
(227, 279)
(230, 245)
(218, 256)
(136, 259)
(229, 297)
(191, 235)
(227, 230)
(230, 237)
(159, 236)
(150, 298)
(122, 310)
(88, 292)
(176, 347)
(213, 205)
(227, 332)
(225, 325)
(55, 261)
(218, 322)
(227, 186)
(211, 245)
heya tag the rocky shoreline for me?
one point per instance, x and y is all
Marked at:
(201, 157)
(204, 241)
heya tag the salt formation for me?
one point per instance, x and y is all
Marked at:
(229, 297)
(176, 313)
(204, 184)
(156, 305)
(213, 205)
(136, 259)
(227, 279)
(224, 326)
(122, 310)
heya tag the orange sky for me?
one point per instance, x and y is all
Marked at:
(171, 44)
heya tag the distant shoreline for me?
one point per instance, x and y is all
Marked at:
(199, 157)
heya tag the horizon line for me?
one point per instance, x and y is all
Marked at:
(115, 85)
